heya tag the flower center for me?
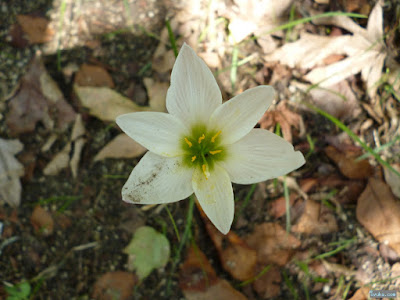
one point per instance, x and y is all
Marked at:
(202, 149)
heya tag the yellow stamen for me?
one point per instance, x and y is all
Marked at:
(188, 142)
(215, 152)
(215, 136)
(202, 138)
(193, 158)
(205, 172)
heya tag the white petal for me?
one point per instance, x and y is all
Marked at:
(159, 132)
(236, 117)
(194, 93)
(157, 179)
(215, 196)
(259, 156)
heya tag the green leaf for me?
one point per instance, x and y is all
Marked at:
(147, 250)
(19, 291)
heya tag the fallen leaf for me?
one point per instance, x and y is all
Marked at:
(379, 212)
(90, 75)
(198, 281)
(122, 146)
(36, 29)
(105, 103)
(147, 250)
(236, 256)
(10, 172)
(361, 294)
(272, 243)
(316, 219)
(365, 51)
(347, 163)
(63, 159)
(269, 284)
(393, 179)
(157, 92)
(114, 285)
(42, 221)
(38, 99)
(286, 119)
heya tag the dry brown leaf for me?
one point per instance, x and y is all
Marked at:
(122, 146)
(35, 28)
(114, 285)
(379, 212)
(236, 256)
(286, 118)
(348, 166)
(89, 75)
(157, 92)
(38, 99)
(198, 281)
(269, 284)
(10, 172)
(273, 244)
(42, 221)
(62, 159)
(361, 294)
(316, 219)
(393, 179)
(105, 103)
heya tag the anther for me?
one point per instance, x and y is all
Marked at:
(215, 136)
(205, 172)
(188, 142)
(202, 138)
(215, 152)
(193, 158)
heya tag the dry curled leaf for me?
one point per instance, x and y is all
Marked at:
(36, 29)
(10, 172)
(89, 75)
(379, 212)
(42, 221)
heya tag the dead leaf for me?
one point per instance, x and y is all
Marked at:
(157, 92)
(272, 243)
(10, 172)
(361, 294)
(122, 146)
(104, 103)
(114, 285)
(316, 219)
(42, 221)
(63, 159)
(393, 179)
(269, 284)
(364, 49)
(36, 28)
(379, 212)
(90, 75)
(236, 256)
(286, 119)
(347, 163)
(198, 281)
(38, 99)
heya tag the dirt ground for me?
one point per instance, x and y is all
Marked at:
(70, 229)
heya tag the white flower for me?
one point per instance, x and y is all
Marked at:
(202, 145)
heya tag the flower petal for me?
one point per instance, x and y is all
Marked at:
(259, 156)
(157, 179)
(158, 132)
(236, 117)
(194, 93)
(215, 196)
